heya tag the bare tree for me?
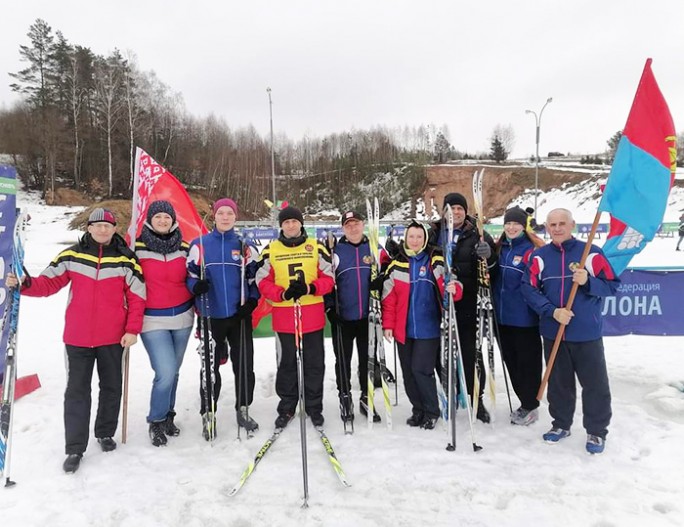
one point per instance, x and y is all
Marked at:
(108, 85)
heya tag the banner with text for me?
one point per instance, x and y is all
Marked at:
(648, 302)
(8, 215)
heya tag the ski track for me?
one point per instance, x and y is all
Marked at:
(403, 477)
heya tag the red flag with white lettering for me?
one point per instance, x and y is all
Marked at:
(153, 182)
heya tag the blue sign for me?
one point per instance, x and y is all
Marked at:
(646, 303)
(8, 216)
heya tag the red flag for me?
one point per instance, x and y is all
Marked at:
(153, 182)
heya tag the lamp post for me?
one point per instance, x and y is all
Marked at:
(273, 185)
(537, 120)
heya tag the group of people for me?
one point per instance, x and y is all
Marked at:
(155, 290)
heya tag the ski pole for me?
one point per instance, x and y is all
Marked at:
(302, 411)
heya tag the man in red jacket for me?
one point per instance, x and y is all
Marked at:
(104, 315)
(296, 268)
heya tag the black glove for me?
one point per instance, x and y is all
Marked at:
(201, 287)
(333, 317)
(296, 291)
(376, 285)
(483, 250)
(246, 309)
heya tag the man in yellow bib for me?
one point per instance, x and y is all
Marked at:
(297, 267)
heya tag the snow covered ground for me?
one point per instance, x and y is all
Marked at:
(403, 477)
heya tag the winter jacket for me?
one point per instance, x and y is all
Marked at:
(464, 260)
(288, 259)
(412, 295)
(352, 264)
(216, 256)
(168, 299)
(509, 303)
(107, 296)
(547, 282)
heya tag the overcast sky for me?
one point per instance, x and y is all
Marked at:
(358, 63)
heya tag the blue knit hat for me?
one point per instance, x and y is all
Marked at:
(160, 206)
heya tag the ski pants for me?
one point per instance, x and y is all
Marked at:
(521, 348)
(467, 333)
(588, 362)
(287, 387)
(349, 331)
(77, 397)
(227, 333)
(418, 358)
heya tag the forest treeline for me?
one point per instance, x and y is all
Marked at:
(81, 115)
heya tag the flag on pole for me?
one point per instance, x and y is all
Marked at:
(643, 171)
(152, 182)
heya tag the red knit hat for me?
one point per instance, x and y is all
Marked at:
(224, 202)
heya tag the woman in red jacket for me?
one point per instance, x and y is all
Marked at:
(168, 313)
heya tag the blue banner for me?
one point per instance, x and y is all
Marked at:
(8, 216)
(648, 302)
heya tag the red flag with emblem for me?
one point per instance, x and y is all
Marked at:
(153, 182)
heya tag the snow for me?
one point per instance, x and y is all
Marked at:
(403, 477)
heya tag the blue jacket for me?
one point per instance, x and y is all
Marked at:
(547, 282)
(220, 256)
(352, 265)
(424, 312)
(511, 307)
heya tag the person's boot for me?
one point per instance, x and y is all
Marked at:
(169, 427)
(416, 419)
(346, 408)
(363, 408)
(283, 420)
(483, 414)
(245, 421)
(157, 434)
(208, 426)
(107, 444)
(72, 462)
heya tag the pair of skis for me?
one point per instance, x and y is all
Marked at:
(11, 321)
(376, 346)
(452, 360)
(337, 466)
(485, 311)
(327, 445)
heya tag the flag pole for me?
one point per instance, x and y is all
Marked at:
(132, 231)
(571, 300)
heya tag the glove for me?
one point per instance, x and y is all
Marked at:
(296, 291)
(246, 309)
(376, 285)
(201, 287)
(483, 250)
(332, 315)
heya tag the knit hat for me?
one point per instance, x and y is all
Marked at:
(351, 215)
(224, 202)
(101, 214)
(290, 213)
(454, 198)
(160, 206)
(517, 215)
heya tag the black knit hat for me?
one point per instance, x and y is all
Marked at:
(517, 215)
(454, 198)
(290, 213)
(160, 206)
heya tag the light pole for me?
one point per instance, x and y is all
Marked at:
(537, 119)
(273, 186)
